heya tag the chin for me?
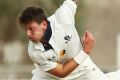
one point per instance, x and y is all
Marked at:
(35, 41)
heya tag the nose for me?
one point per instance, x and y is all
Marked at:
(28, 33)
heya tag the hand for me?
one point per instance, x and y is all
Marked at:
(88, 42)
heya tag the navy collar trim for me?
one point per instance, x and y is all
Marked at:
(48, 32)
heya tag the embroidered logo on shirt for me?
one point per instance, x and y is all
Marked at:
(53, 58)
(62, 53)
(67, 38)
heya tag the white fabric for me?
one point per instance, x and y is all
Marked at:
(63, 17)
(42, 58)
(80, 57)
(114, 75)
(63, 26)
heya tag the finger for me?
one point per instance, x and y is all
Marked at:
(89, 35)
(86, 36)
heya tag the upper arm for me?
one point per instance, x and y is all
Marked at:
(52, 67)
(44, 62)
(66, 12)
(47, 62)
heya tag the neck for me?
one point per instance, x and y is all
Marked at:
(47, 34)
(43, 40)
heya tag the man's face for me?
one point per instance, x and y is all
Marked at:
(35, 31)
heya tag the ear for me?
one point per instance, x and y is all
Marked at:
(44, 23)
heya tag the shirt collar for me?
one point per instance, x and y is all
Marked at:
(39, 46)
(48, 32)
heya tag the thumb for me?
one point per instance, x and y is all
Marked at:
(84, 36)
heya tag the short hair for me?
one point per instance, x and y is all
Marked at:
(32, 14)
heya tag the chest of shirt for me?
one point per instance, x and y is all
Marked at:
(65, 41)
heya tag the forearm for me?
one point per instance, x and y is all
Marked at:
(63, 70)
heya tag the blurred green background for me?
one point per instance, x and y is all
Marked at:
(101, 17)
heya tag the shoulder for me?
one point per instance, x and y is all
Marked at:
(31, 50)
(51, 18)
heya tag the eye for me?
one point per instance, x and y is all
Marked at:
(31, 29)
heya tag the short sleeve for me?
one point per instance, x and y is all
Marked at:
(65, 14)
(45, 60)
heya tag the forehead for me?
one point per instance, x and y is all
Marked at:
(31, 24)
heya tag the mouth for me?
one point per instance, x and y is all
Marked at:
(32, 39)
